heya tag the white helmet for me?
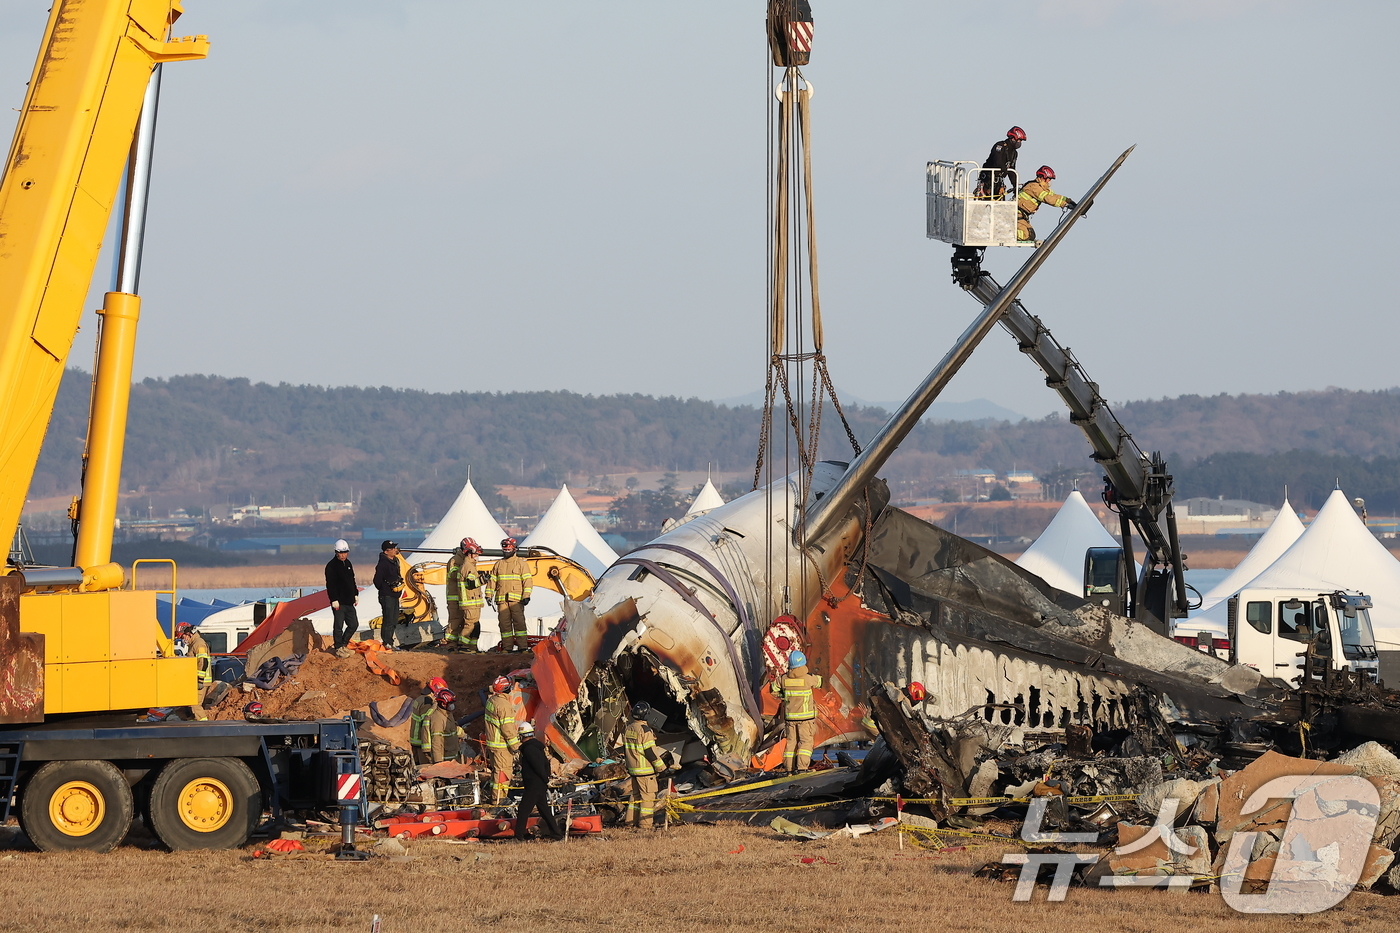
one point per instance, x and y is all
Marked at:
(526, 728)
(342, 546)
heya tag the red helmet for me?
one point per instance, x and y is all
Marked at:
(470, 546)
(500, 685)
(1017, 134)
(184, 628)
(446, 697)
(916, 692)
(507, 544)
(1045, 171)
(437, 685)
(253, 709)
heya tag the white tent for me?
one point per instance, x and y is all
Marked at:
(1057, 556)
(1285, 529)
(1338, 552)
(707, 498)
(467, 518)
(565, 530)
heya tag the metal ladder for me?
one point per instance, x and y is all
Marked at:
(10, 754)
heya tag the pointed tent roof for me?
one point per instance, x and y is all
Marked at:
(1057, 556)
(1285, 529)
(467, 518)
(707, 498)
(1337, 552)
(565, 530)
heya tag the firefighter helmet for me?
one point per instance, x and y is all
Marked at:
(507, 544)
(184, 628)
(641, 709)
(797, 659)
(1017, 134)
(916, 692)
(500, 684)
(253, 709)
(1045, 171)
(437, 685)
(446, 698)
(470, 546)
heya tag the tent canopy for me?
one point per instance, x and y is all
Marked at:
(1285, 530)
(1057, 556)
(707, 498)
(1338, 552)
(467, 518)
(565, 530)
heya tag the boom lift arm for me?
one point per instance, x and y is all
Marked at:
(1137, 486)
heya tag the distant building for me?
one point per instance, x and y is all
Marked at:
(1226, 510)
(280, 546)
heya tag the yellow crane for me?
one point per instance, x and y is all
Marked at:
(94, 85)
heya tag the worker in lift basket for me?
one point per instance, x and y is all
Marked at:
(799, 711)
(513, 583)
(1001, 161)
(388, 580)
(1033, 194)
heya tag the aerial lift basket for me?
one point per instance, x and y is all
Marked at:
(964, 214)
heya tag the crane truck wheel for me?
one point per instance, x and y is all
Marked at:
(71, 805)
(205, 803)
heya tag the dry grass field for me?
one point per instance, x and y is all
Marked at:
(695, 879)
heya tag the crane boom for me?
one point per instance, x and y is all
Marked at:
(60, 181)
(70, 641)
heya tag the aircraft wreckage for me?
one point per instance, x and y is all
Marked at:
(699, 621)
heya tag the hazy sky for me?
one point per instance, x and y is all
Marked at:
(563, 195)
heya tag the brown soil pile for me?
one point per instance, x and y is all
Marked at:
(327, 687)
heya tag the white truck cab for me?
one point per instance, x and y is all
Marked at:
(1269, 628)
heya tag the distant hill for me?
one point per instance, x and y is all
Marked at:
(978, 409)
(202, 440)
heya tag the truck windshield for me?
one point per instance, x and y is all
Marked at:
(1358, 641)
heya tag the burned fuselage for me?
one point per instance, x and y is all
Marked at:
(681, 623)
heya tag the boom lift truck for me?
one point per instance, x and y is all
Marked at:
(81, 657)
(1136, 486)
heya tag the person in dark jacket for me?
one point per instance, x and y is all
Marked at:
(343, 593)
(534, 769)
(388, 580)
(1002, 159)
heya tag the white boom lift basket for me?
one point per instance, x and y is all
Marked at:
(961, 213)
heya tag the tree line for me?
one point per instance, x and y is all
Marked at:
(405, 452)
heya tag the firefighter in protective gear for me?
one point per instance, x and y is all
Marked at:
(794, 689)
(513, 583)
(444, 736)
(420, 736)
(196, 647)
(464, 597)
(1033, 194)
(502, 739)
(644, 760)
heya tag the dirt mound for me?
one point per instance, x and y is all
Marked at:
(328, 687)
